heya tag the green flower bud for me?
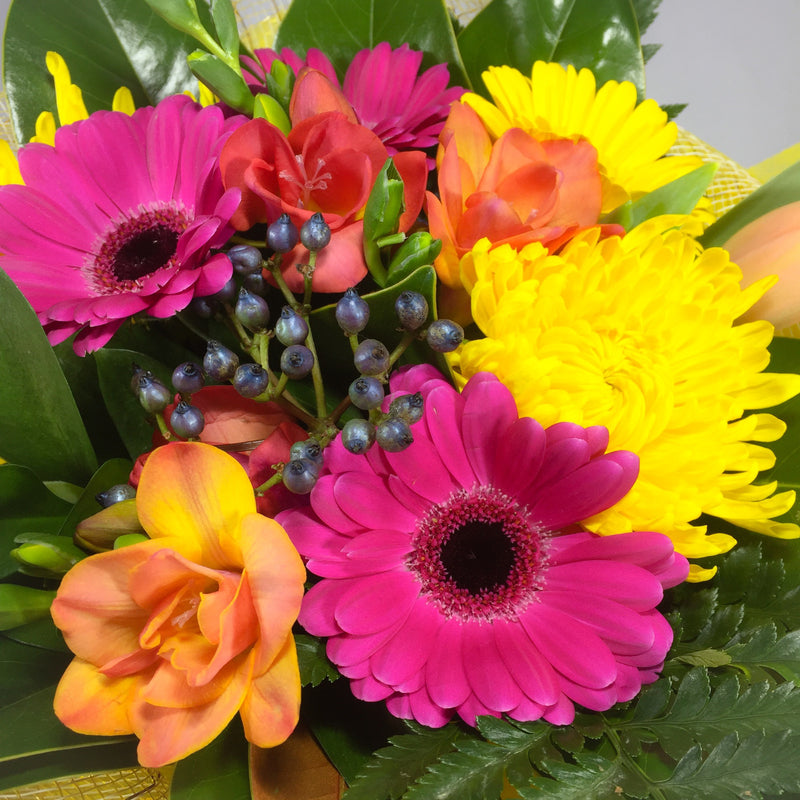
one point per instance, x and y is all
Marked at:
(268, 108)
(382, 216)
(20, 605)
(227, 83)
(181, 14)
(99, 532)
(45, 555)
(419, 250)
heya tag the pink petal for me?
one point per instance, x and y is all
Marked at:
(375, 602)
(445, 675)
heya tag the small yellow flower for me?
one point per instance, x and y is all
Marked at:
(638, 334)
(562, 103)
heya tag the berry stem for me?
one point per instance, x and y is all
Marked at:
(163, 427)
(276, 273)
(275, 479)
(408, 339)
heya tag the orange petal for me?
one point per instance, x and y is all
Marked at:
(272, 706)
(313, 94)
(465, 129)
(276, 575)
(169, 734)
(89, 702)
(197, 495)
(94, 609)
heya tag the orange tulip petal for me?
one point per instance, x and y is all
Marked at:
(272, 706)
(174, 501)
(314, 93)
(89, 702)
(169, 734)
(168, 687)
(276, 575)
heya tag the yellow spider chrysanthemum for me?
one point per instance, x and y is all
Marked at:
(562, 103)
(70, 108)
(638, 334)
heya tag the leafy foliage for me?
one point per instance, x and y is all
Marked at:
(314, 664)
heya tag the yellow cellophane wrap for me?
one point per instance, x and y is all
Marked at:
(259, 20)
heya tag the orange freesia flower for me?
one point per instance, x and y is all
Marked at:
(175, 635)
(770, 245)
(514, 190)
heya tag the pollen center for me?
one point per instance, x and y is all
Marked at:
(478, 556)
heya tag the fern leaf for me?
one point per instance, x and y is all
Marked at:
(764, 650)
(592, 777)
(314, 664)
(760, 764)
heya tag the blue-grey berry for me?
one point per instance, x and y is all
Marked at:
(408, 407)
(352, 312)
(444, 335)
(371, 357)
(299, 476)
(411, 309)
(282, 234)
(256, 283)
(315, 233)
(358, 435)
(203, 307)
(227, 294)
(307, 448)
(187, 421)
(153, 395)
(187, 378)
(297, 361)
(252, 311)
(393, 434)
(115, 494)
(245, 258)
(366, 392)
(219, 363)
(291, 328)
(250, 380)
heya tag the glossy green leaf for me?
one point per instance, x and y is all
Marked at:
(340, 28)
(106, 44)
(26, 506)
(218, 770)
(114, 370)
(601, 36)
(782, 189)
(35, 397)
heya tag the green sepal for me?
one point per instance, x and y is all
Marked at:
(267, 107)
(382, 216)
(20, 605)
(280, 82)
(420, 249)
(676, 197)
(45, 555)
(225, 82)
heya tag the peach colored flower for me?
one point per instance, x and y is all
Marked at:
(514, 190)
(770, 245)
(173, 636)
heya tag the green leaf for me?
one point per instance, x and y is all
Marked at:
(106, 44)
(40, 426)
(114, 371)
(765, 650)
(705, 658)
(603, 37)
(646, 12)
(760, 764)
(224, 17)
(592, 777)
(314, 664)
(340, 28)
(677, 197)
(782, 189)
(26, 505)
(394, 768)
(22, 604)
(475, 770)
(218, 770)
(381, 216)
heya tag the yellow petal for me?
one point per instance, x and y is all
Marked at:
(198, 495)
(69, 99)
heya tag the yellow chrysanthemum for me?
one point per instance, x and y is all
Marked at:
(638, 334)
(562, 103)
(70, 108)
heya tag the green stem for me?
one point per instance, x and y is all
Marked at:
(308, 277)
(163, 427)
(276, 273)
(340, 409)
(613, 737)
(276, 478)
(403, 345)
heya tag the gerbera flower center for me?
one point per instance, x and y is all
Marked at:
(478, 555)
(134, 247)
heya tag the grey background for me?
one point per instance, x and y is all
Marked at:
(737, 64)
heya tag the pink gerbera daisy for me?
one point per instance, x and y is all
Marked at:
(406, 111)
(118, 218)
(456, 577)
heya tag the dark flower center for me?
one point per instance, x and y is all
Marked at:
(478, 556)
(134, 247)
(145, 252)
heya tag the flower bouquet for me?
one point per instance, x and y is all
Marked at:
(389, 410)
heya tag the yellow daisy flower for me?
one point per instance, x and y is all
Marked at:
(638, 334)
(70, 108)
(561, 103)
